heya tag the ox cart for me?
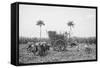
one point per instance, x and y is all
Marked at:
(58, 41)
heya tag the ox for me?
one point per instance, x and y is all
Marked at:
(39, 49)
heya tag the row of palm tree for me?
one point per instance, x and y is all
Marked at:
(40, 23)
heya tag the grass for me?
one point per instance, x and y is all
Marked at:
(71, 54)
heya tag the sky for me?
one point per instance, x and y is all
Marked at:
(56, 19)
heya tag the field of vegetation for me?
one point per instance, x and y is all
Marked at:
(63, 47)
(79, 52)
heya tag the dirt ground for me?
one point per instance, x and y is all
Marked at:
(71, 54)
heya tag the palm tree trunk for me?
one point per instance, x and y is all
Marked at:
(40, 33)
(70, 34)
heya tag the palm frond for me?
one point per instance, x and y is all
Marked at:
(40, 22)
(70, 23)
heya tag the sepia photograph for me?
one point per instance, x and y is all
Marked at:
(56, 34)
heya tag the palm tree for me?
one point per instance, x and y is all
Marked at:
(40, 23)
(70, 24)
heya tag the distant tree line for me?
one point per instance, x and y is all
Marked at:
(25, 40)
(90, 40)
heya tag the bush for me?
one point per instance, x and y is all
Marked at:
(88, 50)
